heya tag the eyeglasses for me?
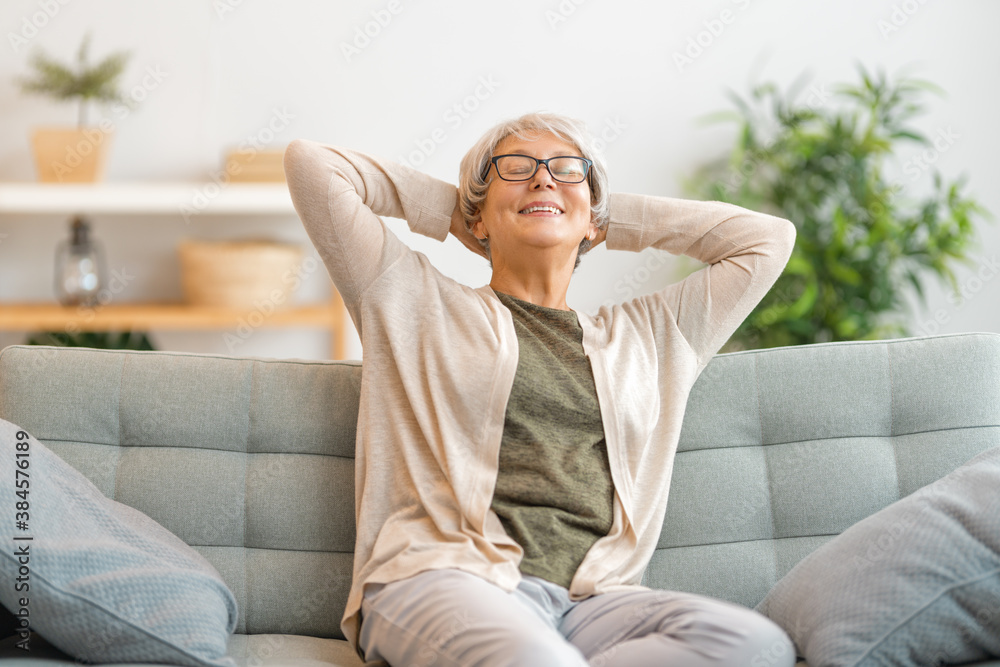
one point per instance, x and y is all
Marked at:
(563, 168)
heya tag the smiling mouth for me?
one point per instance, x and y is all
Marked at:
(546, 209)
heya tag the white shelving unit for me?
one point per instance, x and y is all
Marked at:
(146, 198)
(170, 199)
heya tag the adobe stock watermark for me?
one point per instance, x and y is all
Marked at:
(223, 7)
(967, 645)
(219, 179)
(816, 96)
(899, 16)
(886, 542)
(632, 283)
(610, 132)
(654, 602)
(704, 39)
(95, 136)
(944, 139)
(562, 12)
(318, 602)
(85, 314)
(119, 280)
(263, 652)
(453, 118)
(31, 25)
(967, 290)
(265, 306)
(784, 301)
(641, 608)
(364, 34)
(460, 623)
(781, 651)
(920, 502)
(99, 642)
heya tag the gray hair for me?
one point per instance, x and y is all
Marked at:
(472, 184)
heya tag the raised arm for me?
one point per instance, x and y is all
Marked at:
(339, 194)
(745, 252)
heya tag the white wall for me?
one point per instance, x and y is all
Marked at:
(440, 72)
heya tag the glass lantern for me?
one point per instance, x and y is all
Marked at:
(80, 267)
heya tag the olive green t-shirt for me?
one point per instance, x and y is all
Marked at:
(554, 490)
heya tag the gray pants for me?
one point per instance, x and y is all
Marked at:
(449, 617)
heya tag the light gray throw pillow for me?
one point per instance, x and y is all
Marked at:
(917, 583)
(98, 579)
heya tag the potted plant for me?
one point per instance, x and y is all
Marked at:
(102, 340)
(867, 240)
(74, 155)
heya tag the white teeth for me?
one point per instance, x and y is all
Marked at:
(532, 209)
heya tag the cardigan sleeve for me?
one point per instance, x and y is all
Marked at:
(339, 194)
(745, 252)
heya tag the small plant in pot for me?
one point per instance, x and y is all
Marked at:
(74, 154)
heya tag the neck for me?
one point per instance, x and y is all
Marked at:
(533, 279)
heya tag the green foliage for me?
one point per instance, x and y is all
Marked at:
(865, 243)
(86, 84)
(104, 340)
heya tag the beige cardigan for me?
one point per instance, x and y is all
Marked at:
(439, 361)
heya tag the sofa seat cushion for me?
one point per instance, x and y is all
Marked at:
(292, 651)
(245, 650)
(98, 579)
(917, 583)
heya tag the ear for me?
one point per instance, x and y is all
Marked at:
(479, 229)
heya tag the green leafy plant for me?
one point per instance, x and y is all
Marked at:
(85, 83)
(104, 340)
(866, 242)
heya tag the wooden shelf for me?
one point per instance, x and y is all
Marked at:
(184, 199)
(170, 316)
(25, 316)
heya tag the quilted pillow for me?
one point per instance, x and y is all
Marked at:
(96, 578)
(917, 583)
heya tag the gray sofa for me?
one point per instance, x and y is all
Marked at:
(250, 462)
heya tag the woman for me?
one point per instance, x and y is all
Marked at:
(513, 455)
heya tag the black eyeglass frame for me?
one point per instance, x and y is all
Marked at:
(588, 163)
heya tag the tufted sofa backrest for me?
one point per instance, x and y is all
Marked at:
(783, 449)
(251, 461)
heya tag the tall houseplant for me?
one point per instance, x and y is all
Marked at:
(74, 154)
(867, 242)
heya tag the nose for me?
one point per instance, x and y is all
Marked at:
(539, 179)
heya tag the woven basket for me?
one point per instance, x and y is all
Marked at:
(238, 274)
